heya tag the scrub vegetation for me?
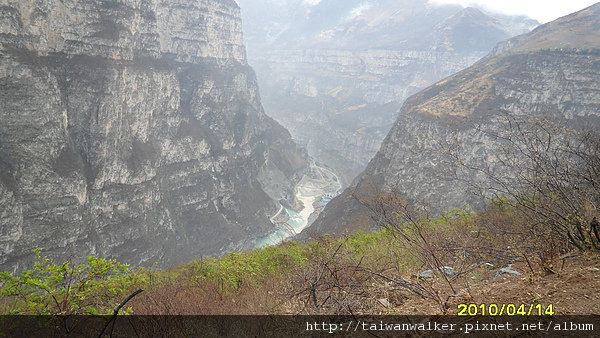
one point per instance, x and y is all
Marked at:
(360, 273)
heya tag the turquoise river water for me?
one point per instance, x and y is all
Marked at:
(296, 222)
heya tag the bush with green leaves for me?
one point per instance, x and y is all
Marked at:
(94, 287)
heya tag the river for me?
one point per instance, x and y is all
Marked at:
(320, 183)
(296, 222)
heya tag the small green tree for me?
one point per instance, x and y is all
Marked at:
(64, 289)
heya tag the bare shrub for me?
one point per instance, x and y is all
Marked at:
(328, 283)
(547, 169)
(450, 246)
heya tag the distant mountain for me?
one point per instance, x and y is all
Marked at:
(553, 71)
(335, 73)
(360, 24)
(410, 25)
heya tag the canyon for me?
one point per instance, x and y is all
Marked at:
(335, 73)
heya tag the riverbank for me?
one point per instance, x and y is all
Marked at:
(313, 191)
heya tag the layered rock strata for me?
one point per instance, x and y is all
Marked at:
(134, 130)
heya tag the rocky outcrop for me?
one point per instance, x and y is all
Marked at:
(134, 130)
(552, 71)
(336, 73)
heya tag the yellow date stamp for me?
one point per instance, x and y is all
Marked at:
(505, 309)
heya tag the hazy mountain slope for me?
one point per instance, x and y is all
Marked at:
(337, 72)
(554, 70)
(133, 130)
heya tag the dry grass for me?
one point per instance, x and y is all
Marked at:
(375, 273)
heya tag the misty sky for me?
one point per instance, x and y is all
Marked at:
(541, 10)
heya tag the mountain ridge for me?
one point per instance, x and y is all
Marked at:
(466, 107)
(134, 130)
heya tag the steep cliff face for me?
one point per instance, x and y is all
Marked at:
(553, 71)
(133, 130)
(336, 72)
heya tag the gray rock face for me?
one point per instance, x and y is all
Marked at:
(553, 71)
(335, 73)
(133, 130)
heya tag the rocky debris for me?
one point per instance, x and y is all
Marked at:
(384, 302)
(446, 270)
(506, 270)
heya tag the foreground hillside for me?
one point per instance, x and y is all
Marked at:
(415, 269)
(494, 256)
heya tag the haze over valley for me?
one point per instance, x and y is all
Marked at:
(335, 73)
(166, 131)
